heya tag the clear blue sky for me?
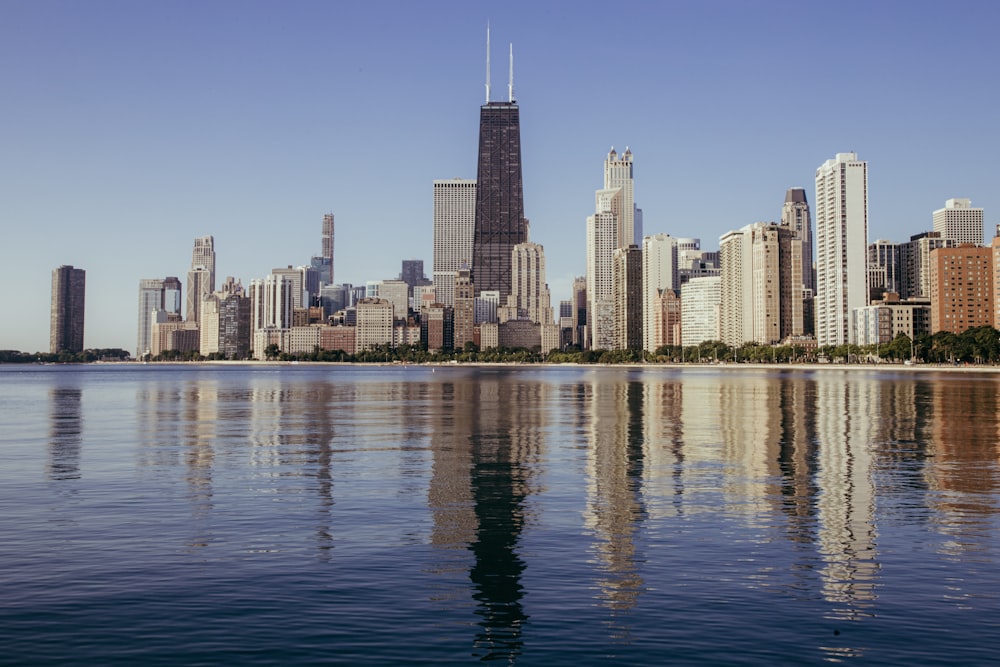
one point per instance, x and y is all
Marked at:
(129, 128)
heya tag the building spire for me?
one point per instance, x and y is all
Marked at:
(487, 62)
(510, 84)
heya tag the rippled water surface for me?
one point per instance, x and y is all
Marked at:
(556, 516)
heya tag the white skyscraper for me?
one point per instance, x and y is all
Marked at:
(454, 228)
(201, 277)
(959, 222)
(659, 272)
(618, 177)
(700, 310)
(736, 288)
(841, 246)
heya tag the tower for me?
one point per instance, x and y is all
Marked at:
(841, 246)
(618, 179)
(327, 252)
(454, 226)
(499, 218)
(659, 273)
(628, 297)
(201, 277)
(795, 215)
(69, 286)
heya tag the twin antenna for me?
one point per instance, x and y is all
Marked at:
(510, 83)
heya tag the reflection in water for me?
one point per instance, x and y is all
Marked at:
(65, 428)
(505, 435)
(615, 508)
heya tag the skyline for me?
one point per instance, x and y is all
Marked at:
(134, 129)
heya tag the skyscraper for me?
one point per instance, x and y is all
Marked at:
(69, 287)
(454, 227)
(628, 297)
(155, 294)
(795, 214)
(201, 277)
(959, 222)
(529, 295)
(841, 246)
(327, 253)
(618, 184)
(499, 223)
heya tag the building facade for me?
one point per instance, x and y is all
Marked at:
(841, 246)
(700, 302)
(66, 315)
(959, 222)
(961, 288)
(628, 298)
(201, 277)
(454, 228)
(659, 273)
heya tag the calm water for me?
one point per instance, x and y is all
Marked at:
(539, 516)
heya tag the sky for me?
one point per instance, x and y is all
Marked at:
(130, 128)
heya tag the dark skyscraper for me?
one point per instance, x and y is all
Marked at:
(499, 222)
(69, 288)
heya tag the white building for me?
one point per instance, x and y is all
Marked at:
(959, 222)
(841, 246)
(659, 272)
(374, 324)
(618, 178)
(201, 277)
(736, 288)
(396, 292)
(454, 226)
(529, 294)
(700, 298)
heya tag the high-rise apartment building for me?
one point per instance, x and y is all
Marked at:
(201, 277)
(700, 301)
(659, 273)
(884, 269)
(961, 288)
(915, 264)
(464, 311)
(327, 249)
(795, 215)
(841, 246)
(602, 235)
(959, 222)
(500, 223)
(761, 287)
(580, 311)
(454, 228)
(628, 297)
(69, 289)
(529, 297)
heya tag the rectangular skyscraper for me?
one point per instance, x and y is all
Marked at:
(454, 226)
(201, 277)
(841, 246)
(69, 287)
(959, 222)
(327, 256)
(499, 224)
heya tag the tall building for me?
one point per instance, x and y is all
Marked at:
(327, 250)
(464, 311)
(529, 297)
(884, 269)
(412, 273)
(961, 288)
(735, 289)
(841, 246)
(602, 235)
(659, 273)
(628, 297)
(201, 277)
(618, 183)
(795, 215)
(454, 228)
(155, 294)
(915, 264)
(959, 222)
(700, 300)
(500, 223)
(69, 288)
(580, 311)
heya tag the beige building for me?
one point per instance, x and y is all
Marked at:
(374, 324)
(959, 222)
(464, 312)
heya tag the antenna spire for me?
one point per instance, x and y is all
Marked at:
(487, 62)
(510, 85)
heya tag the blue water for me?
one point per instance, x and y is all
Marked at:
(218, 514)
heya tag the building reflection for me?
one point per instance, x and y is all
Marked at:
(663, 439)
(845, 412)
(615, 507)
(962, 473)
(65, 433)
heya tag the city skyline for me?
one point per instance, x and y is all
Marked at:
(118, 154)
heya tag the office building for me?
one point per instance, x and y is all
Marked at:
(326, 276)
(529, 297)
(463, 314)
(915, 261)
(454, 228)
(884, 269)
(959, 222)
(155, 294)
(69, 288)
(499, 223)
(841, 246)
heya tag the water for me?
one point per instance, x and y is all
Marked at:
(559, 516)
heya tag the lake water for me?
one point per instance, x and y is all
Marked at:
(257, 515)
